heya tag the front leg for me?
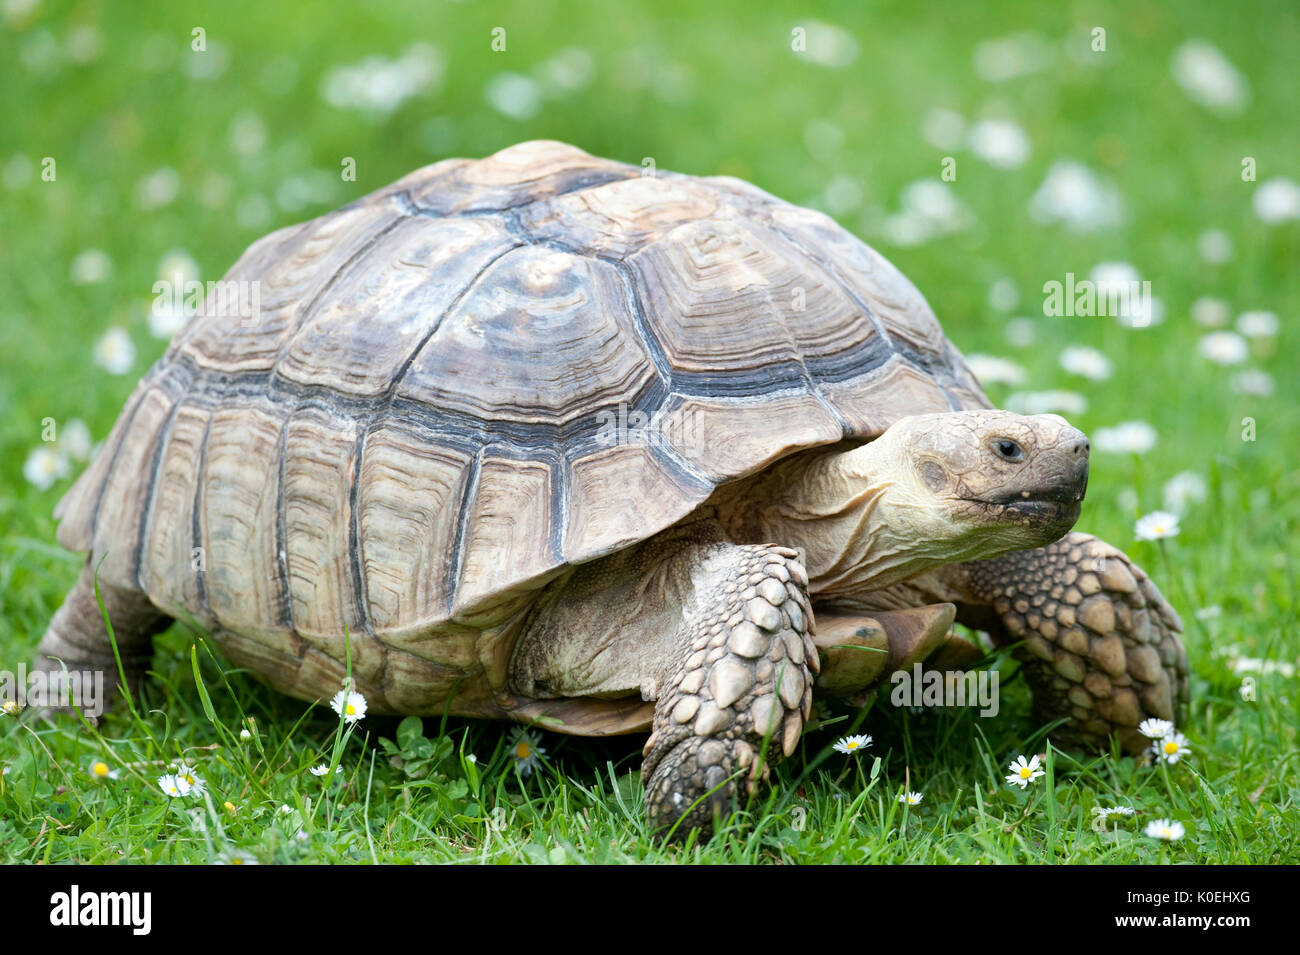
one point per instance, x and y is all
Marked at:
(1099, 644)
(717, 634)
(738, 693)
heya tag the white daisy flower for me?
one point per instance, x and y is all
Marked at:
(828, 44)
(943, 128)
(91, 267)
(1209, 78)
(349, 704)
(851, 744)
(1000, 143)
(100, 771)
(1132, 437)
(1210, 312)
(1112, 276)
(911, 799)
(44, 466)
(1045, 402)
(1214, 246)
(1165, 829)
(245, 735)
(186, 774)
(1003, 295)
(1224, 348)
(1171, 749)
(1020, 332)
(526, 753)
(1155, 729)
(1253, 381)
(11, 708)
(1277, 200)
(173, 786)
(115, 352)
(1258, 324)
(1106, 812)
(1156, 525)
(514, 95)
(1074, 195)
(1024, 772)
(236, 857)
(323, 769)
(992, 370)
(75, 440)
(1086, 362)
(1184, 489)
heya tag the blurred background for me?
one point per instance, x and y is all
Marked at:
(986, 149)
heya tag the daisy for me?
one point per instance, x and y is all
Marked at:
(1155, 729)
(1224, 348)
(44, 466)
(75, 441)
(236, 857)
(1165, 829)
(323, 768)
(526, 753)
(1086, 362)
(245, 735)
(851, 744)
(11, 708)
(99, 771)
(1210, 312)
(1277, 200)
(911, 799)
(186, 774)
(1135, 437)
(1105, 812)
(1258, 324)
(173, 786)
(349, 704)
(992, 370)
(1171, 749)
(1156, 525)
(1183, 489)
(1023, 773)
(115, 352)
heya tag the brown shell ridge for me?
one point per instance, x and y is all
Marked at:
(306, 311)
(354, 535)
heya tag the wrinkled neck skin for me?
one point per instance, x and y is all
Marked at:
(862, 518)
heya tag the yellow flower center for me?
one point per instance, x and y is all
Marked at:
(236, 861)
(523, 750)
(852, 744)
(350, 710)
(1171, 747)
(1025, 772)
(100, 769)
(188, 778)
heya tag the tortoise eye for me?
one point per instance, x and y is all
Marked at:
(1008, 449)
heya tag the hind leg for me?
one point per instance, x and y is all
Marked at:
(78, 640)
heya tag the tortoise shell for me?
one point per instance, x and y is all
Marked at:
(465, 383)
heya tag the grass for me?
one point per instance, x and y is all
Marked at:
(705, 91)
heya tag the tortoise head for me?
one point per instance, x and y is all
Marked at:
(1018, 480)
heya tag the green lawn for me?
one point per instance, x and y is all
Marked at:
(163, 154)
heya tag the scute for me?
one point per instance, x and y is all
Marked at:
(465, 383)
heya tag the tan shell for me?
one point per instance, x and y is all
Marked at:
(413, 436)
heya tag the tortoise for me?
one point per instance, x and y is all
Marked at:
(545, 438)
